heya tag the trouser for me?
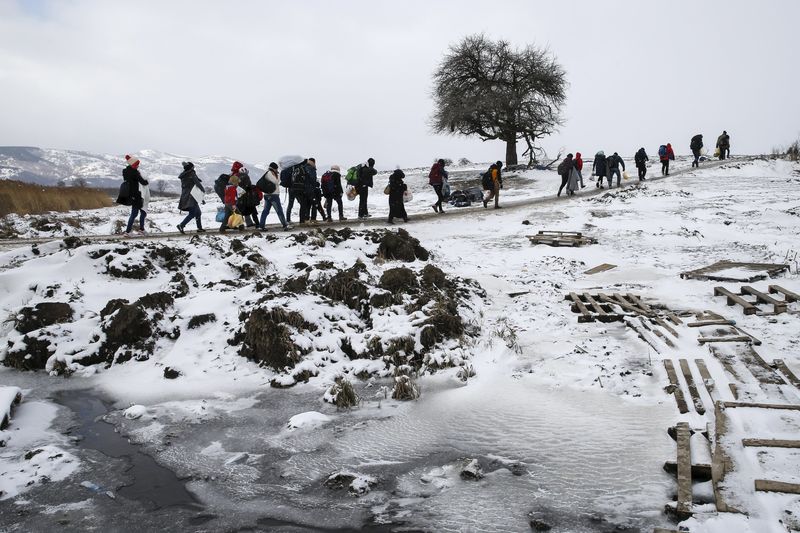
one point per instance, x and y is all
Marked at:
(696, 162)
(398, 209)
(494, 192)
(329, 204)
(194, 212)
(438, 190)
(250, 216)
(580, 176)
(727, 152)
(721, 153)
(665, 167)
(305, 206)
(272, 200)
(614, 172)
(136, 211)
(228, 213)
(289, 206)
(363, 193)
(564, 180)
(642, 171)
(600, 181)
(316, 206)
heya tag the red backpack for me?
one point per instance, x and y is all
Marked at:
(435, 176)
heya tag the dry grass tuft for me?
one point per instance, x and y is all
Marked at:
(29, 199)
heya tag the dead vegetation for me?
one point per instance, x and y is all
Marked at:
(342, 394)
(30, 199)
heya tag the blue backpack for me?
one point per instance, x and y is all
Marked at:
(662, 150)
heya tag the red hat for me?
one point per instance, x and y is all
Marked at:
(236, 166)
(132, 160)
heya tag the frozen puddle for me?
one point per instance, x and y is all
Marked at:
(581, 461)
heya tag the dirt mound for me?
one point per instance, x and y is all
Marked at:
(434, 277)
(42, 315)
(402, 247)
(346, 286)
(268, 337)
(200, 320)
(33, 356)
(399, 280)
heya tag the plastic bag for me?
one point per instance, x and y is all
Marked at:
(716, 152)
(626, 176)
(446, 189)
(387, 190)
(290, 160)
(124, 197)
(235, 220)
(220, 214)
(352, 193)
(407, 196)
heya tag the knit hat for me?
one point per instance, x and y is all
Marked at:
(244, 172)
(188, 165)
(335, 168)
(132, 160)
(235, 167)
(273, 165)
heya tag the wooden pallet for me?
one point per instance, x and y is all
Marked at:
(749, 272)
(561, 238)
(750, 307)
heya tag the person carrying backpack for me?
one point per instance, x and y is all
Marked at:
(230, 197)
(332, 190)
(223, 179)
(496, 173)
(665, 155)
(695, 146)
(286, 183)
(302, 190)
(316, 191)
(564, 168)
(365, 182)
(724, 145)
(599, 168)
(248, 202)
(187, 202)
(614, 161)
(132, 176)
(436, 178)
(268, 184)
(397, 188)
(579, 167)
(641, 159)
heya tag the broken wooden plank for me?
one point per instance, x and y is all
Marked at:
(660, 321)
(751, 405)
(674, 318)
(593, 304)
(768, 485)
(734, 390)
(675, 386)
(642, 334)
(786, 371)
(708, 381)
(788, 295)
(579, 307)
(753, 339)
(733, 299)
(662, 530)
(717, 322)
(684, 509)
(700, 471)
(666, 339)
(732, 338)
(721, 464)
(639, 303)
(778, 306)
(600, 268)
(518, 293)
(687, 375)
(749, 272)
(771, 443)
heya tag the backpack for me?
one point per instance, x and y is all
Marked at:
(298, 178)
(352, 175)
(328, 187)
(562, 167)
(435, 175)
(662, 150)
(697, 143)
(286, 177)
(265, 185)
(486, 180)
(639, 157)
(220, 183)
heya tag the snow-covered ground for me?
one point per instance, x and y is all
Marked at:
(568, 421)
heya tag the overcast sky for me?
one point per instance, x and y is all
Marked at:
(344, 80)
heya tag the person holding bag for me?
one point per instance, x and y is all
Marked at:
(191, 190)
(133, 178)
(396, 190)
(268, 184)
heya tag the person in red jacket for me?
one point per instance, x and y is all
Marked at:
(230, 197)
(436, 178)
(579, 166)
(666, 155)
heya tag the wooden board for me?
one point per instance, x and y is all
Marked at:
(733, 299)
(600, 268)
(684, 509)
(730, 338)
(751, 405)
(767, 485)
(786, 371)
(771, 443)
(676, 388)
(708, 381)
(700, 472)
(759, 271)
(720, 462)
(717, 322)
(687, 375)
(788, 295)
(778, 306)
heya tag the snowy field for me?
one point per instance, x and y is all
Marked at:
(525, 418)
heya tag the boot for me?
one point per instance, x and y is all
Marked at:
(180, 228)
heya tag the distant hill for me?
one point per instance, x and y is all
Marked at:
(50, 167)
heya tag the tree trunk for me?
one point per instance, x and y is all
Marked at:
(511, 152)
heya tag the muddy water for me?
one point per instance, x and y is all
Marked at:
(153, 485)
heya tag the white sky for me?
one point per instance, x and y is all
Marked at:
(347, 79)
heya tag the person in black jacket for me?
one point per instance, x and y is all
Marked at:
(397, 188)
(614, 161)
(695, 146)
(365, 176)
(641, 159)
(248, 203)
(332, 191)
(133, 178)
(189, 181)
(316, 198)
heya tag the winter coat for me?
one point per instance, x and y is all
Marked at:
(336, 180)
(565, 166)
(579, 162)
(599, 165)
(640, 158)
(272, 177)
(724, 141)
(365, 176)
(311, 183)
(189, 181)
(134, 179)
(396, 187)
(231, 195)
(697, 143)
(670, 155)
(437, 174)
(574, 179)
(614, 161)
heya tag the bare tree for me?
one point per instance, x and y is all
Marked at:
(80, 182)
(488, 89)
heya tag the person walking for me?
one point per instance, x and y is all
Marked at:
(496, 173)
(397, 189)
(332, 191)
(614, 161)
(188, 201)
(436, 178)
(665, 155)
(641, 159)
(286, 183)
(230, 197)
(248, 202)
(695, 146)
(564, 168)
(724, 145)
(599, 168)
(132, 176)
(365, 182)
(222, 181)
(268, 184)
(579, 167)
(316, 193)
